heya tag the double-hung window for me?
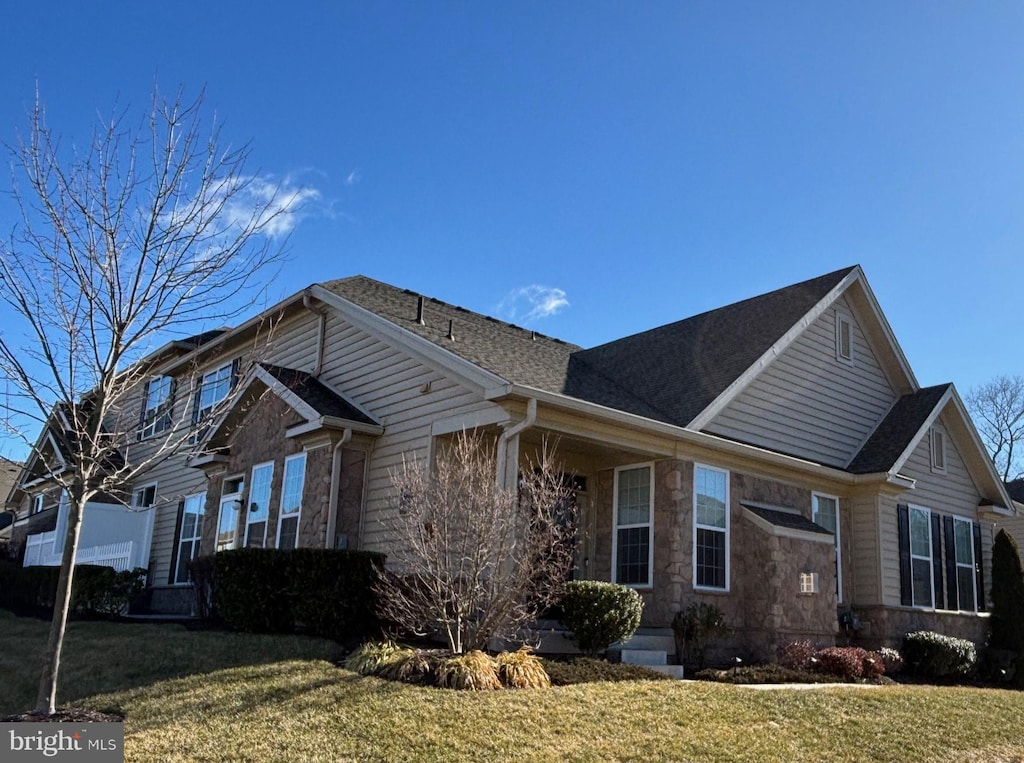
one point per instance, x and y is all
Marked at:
(633, 551)
(710, 528)
(191, 534)
(291, 501)
(212, 388)
(921, 557)
(157, 398)
(966, 575)
(258, 514)
(826, 514)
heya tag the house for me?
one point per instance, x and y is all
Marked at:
(775, 457)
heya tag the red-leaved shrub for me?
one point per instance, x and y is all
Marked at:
(844, 662)
(798, 655)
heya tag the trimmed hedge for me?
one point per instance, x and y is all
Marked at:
(600, 614)
(933, 655)
(321, 591)
(95, 589)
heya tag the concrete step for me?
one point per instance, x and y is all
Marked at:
(651, 639)
(646, 657)
(676, 671)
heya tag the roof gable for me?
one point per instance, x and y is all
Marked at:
(901, 428)
(680, 369)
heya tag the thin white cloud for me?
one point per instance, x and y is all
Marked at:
(531, 303)
(353, 178)
(260, 203)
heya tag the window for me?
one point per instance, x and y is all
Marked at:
(259, 505)
(808, 582)
(632, 550)
(844, 337)
(191, 533)
(710, 528)
(230, 506)
(157, 398)
(963, 533)
(826, 513)
(938, 448)
(144, 497)
(291, 501)
(37, 503)
(921, 557)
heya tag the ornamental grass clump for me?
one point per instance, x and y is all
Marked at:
(473, 670)
(412, 666)
(522, 670)
(369, 658)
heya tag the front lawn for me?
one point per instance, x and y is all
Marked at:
(281, 698)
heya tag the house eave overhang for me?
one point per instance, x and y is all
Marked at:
(333, 423)
(690, 437)
(207, 459)
(786, 532)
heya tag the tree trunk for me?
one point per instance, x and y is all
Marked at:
(47, 700)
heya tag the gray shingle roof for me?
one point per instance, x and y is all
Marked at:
(785, 519)
(668, 374)
(323, 400)
(892, 436)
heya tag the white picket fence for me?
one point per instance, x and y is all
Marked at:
(40, 549)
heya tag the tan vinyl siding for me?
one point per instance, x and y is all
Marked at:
(808, 403)
(402, 393)
(951, 493)
(863, 561)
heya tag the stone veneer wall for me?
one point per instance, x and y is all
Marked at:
(763, 606)
(886, 626)
(261, 438)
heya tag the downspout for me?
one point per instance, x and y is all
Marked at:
(321, 328)
(332, 510)
(508, 434)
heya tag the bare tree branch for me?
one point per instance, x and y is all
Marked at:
(144, 235)
(470, 560)
(998, 411)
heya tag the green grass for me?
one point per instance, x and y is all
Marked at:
(282, 699)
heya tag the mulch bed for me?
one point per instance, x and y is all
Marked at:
(64, 715)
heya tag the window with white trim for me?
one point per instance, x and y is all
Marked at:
(230, 506)
(938, 449)
(156, 406)
(144, 497)
(632, 549)
(213, 387)
(258, 513)
(191, 534)
(291, 501)
(826, 514)
(922, 581)
(710, 528)
(966, 575)
(844, 337)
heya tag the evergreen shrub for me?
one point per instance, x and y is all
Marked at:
(599, 614)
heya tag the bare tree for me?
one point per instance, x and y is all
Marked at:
(471, 560)
(140, 237)
(998, 411)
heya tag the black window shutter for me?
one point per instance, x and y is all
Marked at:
(979, 565)
(940, 602)
(952, 590)
(175, 550)
(142, 411)
(169, 404)
(235, 365)
(906, 576)
(196, 394)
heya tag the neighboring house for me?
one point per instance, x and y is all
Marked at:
(1014, 525)
(9, 471)
(775, 457)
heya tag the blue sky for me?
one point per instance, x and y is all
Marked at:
(627, 164)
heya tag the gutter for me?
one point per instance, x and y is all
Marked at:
(508, 434)
(689, 436)
(332, 510)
